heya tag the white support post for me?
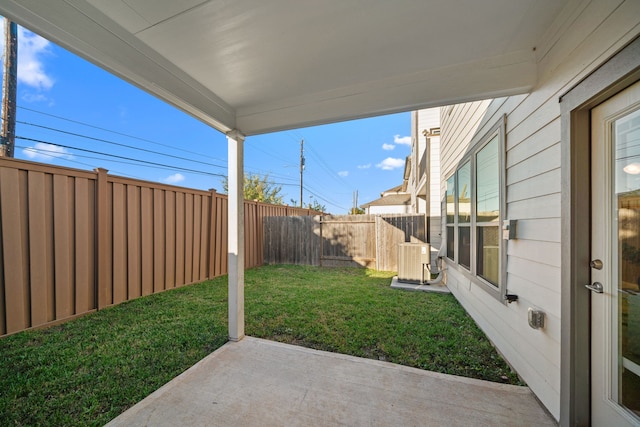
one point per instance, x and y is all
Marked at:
(236, 235)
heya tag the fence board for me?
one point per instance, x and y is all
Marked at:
(221, 237)
(180, 239)
(188, 241)
(24, 234)
(107, 267)
(134, 287)
(224, 246)
(170, 239)
(146, 212)
(216, 235)
(64, 293)
(204, 241)
(50, 248)
(15, 282)
(340, 241)
(101, 240)
(197, 232)
(84, 273)
(3, 313)
(38, 249)
(119, 244)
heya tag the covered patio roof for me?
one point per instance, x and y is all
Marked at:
(247, 67)
(257, 67)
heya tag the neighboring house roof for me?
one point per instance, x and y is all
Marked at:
(390, 200)
(394, 190)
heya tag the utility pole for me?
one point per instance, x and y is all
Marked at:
(9, 85)
(301, 167)
(354, 199)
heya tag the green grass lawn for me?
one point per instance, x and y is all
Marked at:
(87, 371)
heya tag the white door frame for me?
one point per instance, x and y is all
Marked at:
(616, 74)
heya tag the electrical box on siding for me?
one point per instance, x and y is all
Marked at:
(509, 229)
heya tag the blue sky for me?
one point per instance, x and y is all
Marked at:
(64, 100)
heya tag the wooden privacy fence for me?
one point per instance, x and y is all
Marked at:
(347, 240)
(75, 241)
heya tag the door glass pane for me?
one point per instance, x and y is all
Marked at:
(464, 193)
(488, 182)
(626, 137)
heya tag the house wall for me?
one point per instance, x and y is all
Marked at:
(391, 209)
(433, 198)
(575, 46)
(427, 119)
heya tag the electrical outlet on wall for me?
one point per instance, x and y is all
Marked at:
(536, 318)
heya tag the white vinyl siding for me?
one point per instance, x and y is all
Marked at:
(427, 119)
(576, 45)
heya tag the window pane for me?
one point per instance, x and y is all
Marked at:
(464, 247)
(450, 239)
(464, 193)
(489, 254)
(451, 207)
(488, 183)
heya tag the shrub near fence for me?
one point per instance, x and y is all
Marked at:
(74, 241)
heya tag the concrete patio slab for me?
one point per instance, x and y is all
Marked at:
(439, 288)
(256, 382)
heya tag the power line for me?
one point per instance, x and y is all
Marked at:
(282, 159)
(120, 157)
(327, 168)
(63, 158)
(58, 156)
(118, 144)
(145, 163)
(137, 162)
(148, 151)
(117, 133)
(323, 199)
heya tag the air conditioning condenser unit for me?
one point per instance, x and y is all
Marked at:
(412, 260)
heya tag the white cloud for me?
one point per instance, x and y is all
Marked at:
(46, 152)
(404, 140)
(34, 97)
(174, 179)
(388, 147)
(390, 163)
(343, 173)
(367, 166)
(31, 70)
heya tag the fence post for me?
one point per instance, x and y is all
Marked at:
(102, 258)
(320, 220)
(212, 233)
(378, 251)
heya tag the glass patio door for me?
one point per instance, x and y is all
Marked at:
(615, 264)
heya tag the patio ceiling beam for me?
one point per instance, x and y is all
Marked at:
(236, 235)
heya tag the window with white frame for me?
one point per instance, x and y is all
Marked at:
(474, 211)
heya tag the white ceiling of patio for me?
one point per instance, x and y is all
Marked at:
(266, 65)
